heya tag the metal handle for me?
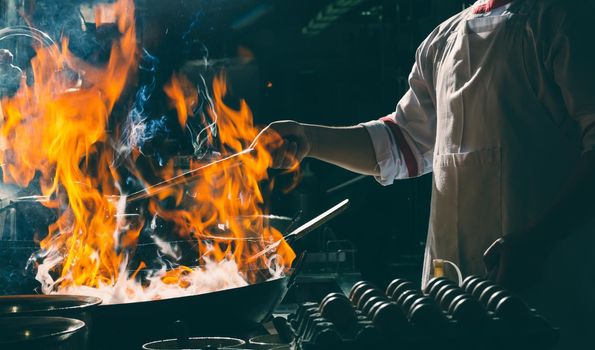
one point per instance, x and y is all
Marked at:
(306, 228)
(318, 221)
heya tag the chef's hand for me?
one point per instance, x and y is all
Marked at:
(294, 145)
(515, 261)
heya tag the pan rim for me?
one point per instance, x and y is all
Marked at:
(76, 325)
(188, 297)
(87, 302)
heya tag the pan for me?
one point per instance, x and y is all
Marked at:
(225, 312)
(48, 333)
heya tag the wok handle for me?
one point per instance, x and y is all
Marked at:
(318, 221)
(303, 230)
(298, 263)
(294, 221)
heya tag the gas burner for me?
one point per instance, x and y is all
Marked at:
(219, 343)
(478, 312)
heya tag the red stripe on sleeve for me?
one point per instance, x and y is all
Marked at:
(403, 145)
(489, 5)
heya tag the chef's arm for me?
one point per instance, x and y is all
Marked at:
(574, 206)
(348, 147)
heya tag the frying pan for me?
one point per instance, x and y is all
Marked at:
(225, 312)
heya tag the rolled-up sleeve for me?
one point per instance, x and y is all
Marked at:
(388, 156)
(404, 140)
(571, 59)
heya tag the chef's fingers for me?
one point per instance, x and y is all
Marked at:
(279, 156)
(285, 155)
(277, 131)
(290, 155)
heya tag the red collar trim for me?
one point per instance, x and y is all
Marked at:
(489, 5)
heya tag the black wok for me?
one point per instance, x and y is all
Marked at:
(48, 333)
(225, 312)
(38, 307)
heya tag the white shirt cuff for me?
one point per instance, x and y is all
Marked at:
(388, 157)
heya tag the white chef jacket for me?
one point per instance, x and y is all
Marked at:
(500, 109)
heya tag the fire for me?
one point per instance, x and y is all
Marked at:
(58, 130)
(184, 97)
(230, 223)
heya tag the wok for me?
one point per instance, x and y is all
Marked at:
(49, 333)
(225, 312)
(20, 308)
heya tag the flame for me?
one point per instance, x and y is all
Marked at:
(231, 190)
(184, 97)
(57, 130)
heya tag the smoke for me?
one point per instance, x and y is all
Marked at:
(141, 127)
(59, 19)
(208, 116)
(206, 120)
(194, 49)
(138, 127)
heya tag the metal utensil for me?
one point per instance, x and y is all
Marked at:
(185, 177)
(306, 228)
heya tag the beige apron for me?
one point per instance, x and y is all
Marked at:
(499, 162)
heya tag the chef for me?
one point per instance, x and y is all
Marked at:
(501, 109)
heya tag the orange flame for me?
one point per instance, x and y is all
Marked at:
(57, 128)
(228, 193)
(184, 97)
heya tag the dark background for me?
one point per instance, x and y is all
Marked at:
(353, 70)
(336, 62)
